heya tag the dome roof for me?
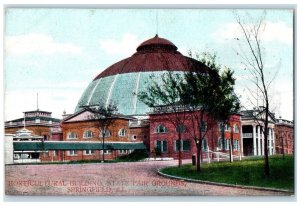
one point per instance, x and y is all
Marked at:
(121, 82)
(155, 54)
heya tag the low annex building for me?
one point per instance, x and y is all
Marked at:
(121, 138)
(37, 121)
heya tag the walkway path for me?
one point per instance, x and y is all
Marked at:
(139, 178)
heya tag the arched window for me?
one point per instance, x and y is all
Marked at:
(72, 135)
(161, 129)
(88, 134)
(122, 132)
(105, 132)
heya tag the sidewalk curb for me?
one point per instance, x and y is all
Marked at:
(223, 184)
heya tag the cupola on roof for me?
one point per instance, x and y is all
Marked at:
(121, 82)
(156, 43)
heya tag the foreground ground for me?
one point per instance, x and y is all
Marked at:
(127, 178)
(247, 172)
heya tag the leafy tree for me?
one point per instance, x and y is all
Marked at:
(208, 93)
(165, 97)
(227, 103)
(192, 96)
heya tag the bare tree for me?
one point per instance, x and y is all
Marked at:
(104, 116)
(253, 60)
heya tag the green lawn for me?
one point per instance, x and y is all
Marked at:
(246, 172)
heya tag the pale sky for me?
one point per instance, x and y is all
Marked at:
(58, 52)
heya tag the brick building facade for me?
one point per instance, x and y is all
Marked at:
(284, 133)
(79, 127)
(164, 136)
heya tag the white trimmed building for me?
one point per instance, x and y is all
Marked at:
(252, 132)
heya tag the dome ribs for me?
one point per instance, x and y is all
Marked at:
(155, 54)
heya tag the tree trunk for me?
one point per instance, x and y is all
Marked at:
(102, 148)
(179, 153)
(223, 136)
(266, 165)
(282, 146)
(198, 162)
(231, 145)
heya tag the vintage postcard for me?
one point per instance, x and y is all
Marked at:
(149, 102)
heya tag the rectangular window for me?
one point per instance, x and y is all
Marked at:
(236, 129)
(227, 127)
(55, 153)
(227, 142)
(204, 144)
(123, 151)
(203, 126)
(220, 127)
(220, 143)
(236, 144)
(106, 151)
(176, 145)
(88, 152)
(72, 153)
(185, 145)
(161, 145)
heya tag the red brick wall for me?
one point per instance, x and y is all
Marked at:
(171, 135)
(284, 133)
(140, 134)
(80, 155)
(56, 137)
(80, 127)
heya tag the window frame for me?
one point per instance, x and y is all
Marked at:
(122, 132)
(123, 151)
(72, 152)
(88, 137)
(55, 153)
(159, 131)
(70, 134)
(227, 128)
(227, 144)
(107, 134)
(106, 151)
(236, 145)
(235, 128)
(182, 143)
(161, 145)
(203, 126)
(220, 143)
(204, 144)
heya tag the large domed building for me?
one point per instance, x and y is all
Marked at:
(121, 82)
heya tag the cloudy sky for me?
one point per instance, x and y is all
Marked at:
(57, 52)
